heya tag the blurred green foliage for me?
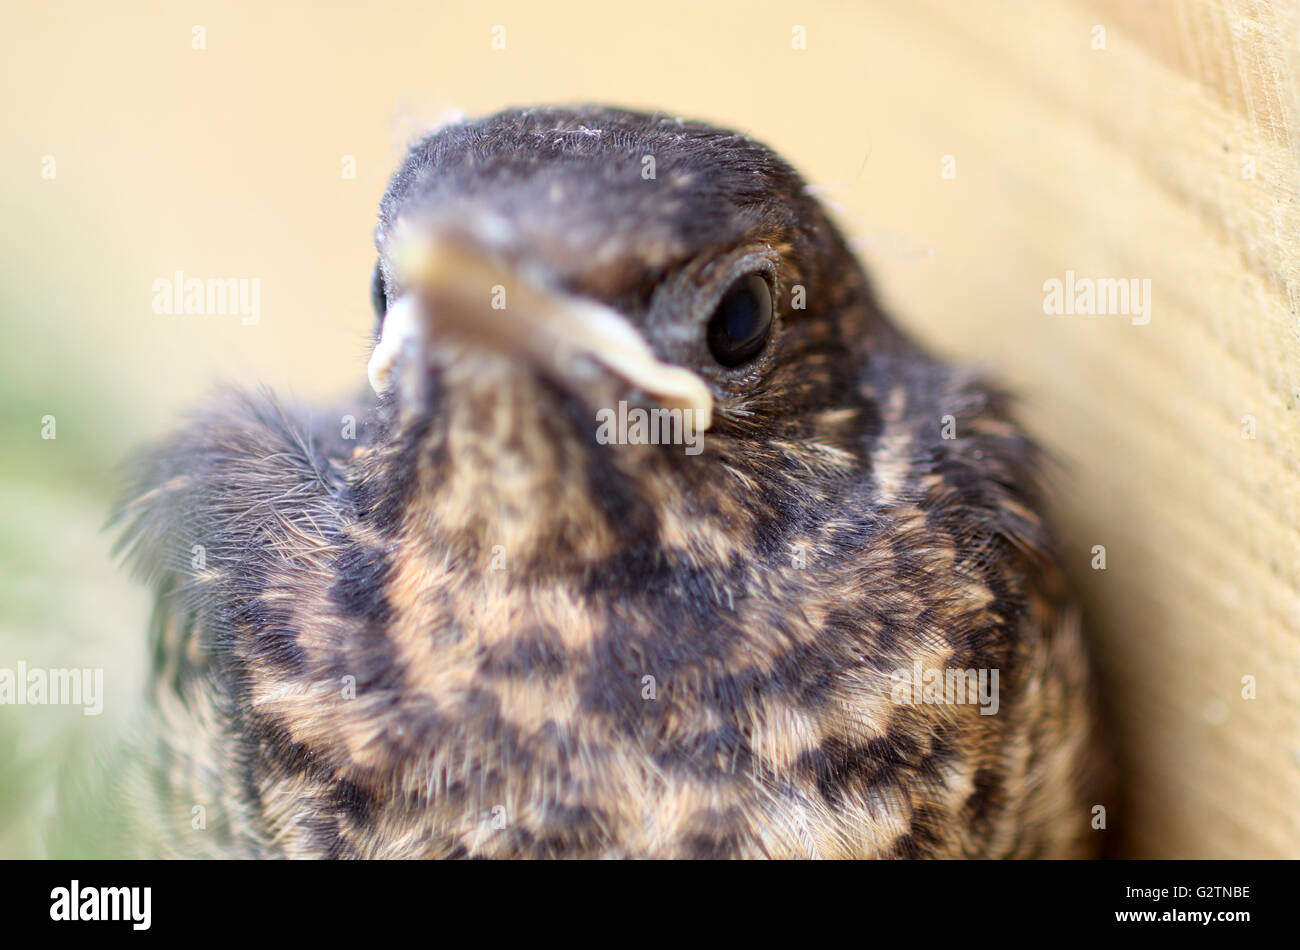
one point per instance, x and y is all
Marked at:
(64, 602)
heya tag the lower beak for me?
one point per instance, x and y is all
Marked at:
(460, 292)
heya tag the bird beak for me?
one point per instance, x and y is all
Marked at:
(460, 292)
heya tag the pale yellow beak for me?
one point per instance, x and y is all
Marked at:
(459, 291)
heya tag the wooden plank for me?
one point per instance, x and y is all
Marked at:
(1136, 161)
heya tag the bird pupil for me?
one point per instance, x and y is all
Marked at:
(740, 313)
(378, 299)
(739, 327)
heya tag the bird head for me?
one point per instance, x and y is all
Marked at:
(609, 338)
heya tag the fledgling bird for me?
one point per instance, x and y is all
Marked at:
(644, 547)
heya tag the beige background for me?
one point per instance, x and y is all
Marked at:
(1125, 161)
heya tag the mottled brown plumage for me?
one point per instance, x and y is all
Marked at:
(475, 629)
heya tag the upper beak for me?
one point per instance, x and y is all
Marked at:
(459, 291)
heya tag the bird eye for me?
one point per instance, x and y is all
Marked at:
(377, 298)
(739, 327)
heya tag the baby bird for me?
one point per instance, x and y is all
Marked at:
(657, 539)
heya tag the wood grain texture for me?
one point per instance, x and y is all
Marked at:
(1134, 161)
